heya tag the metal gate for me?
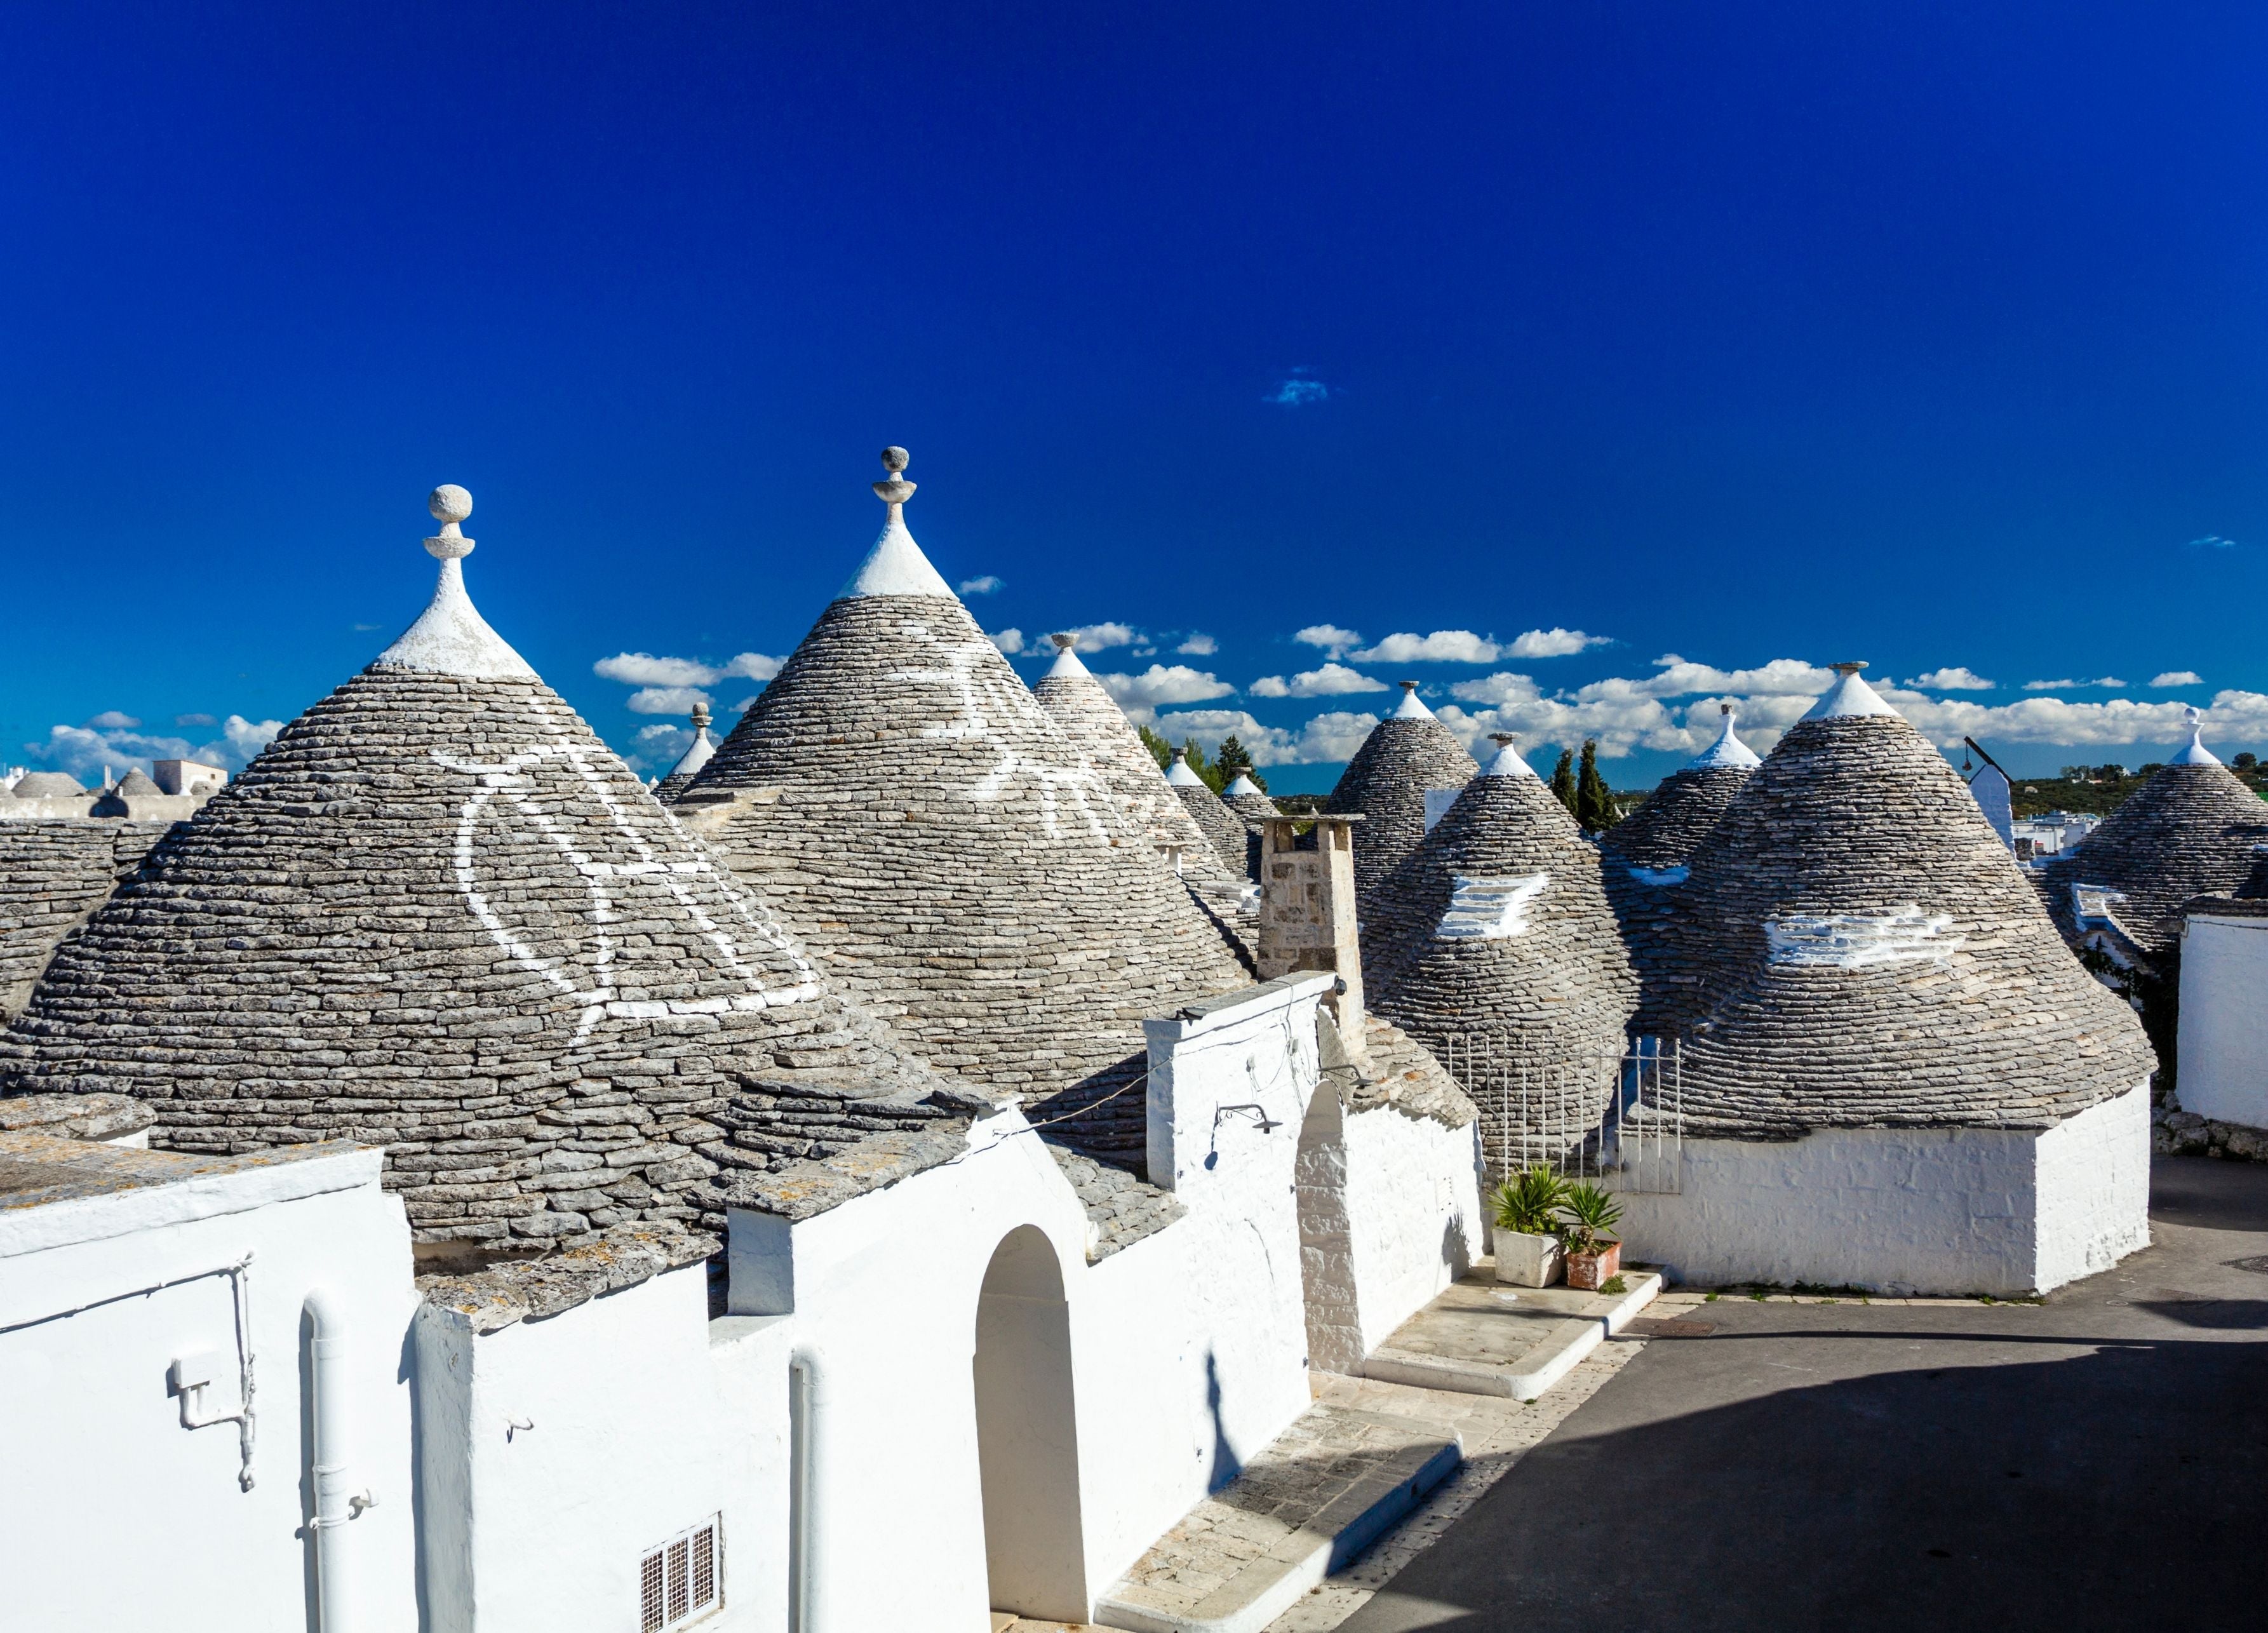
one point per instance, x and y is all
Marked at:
(1615, 1118)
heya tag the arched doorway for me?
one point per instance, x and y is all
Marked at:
(1028, 1434)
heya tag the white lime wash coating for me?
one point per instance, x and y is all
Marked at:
(1509, 760)
(896, 565)
(1488, 909)
(1180, 774)
(704, 746)
(1067, 664)
(1410, 707)
(2196, 754)
(1860, 940)
(1240, 787)
(2224, 1026)
(1849, 696)
(450, 636)
(1728, 750)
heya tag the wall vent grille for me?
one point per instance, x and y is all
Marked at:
(677, 1580)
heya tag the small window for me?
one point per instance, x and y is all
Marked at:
(677, 1581)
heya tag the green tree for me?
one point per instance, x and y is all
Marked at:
(1236, 761)
(1562, 780)
(1160, 750)
(1594, 801)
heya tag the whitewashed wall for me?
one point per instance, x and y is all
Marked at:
(114, 1514)
(1906, 1210)
(1413, 1211)
(2224, 1020)
(557, 1453)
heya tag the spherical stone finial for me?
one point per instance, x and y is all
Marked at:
(1847, 669)
(700, 716)
(1065, 641)
(895, 489)
(450, 505)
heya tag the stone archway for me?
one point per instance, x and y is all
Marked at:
(1028, 1434)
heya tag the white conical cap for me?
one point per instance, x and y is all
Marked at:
(1066, 663)
(1410, 707)
(1178, 773)
(1728, 750)
(1509, 760)
(451, 637)
(703, 748)
(1240, 787)
(2196, 754)
(1849, 696)
(896, 565)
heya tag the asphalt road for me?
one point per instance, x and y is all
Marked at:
(2097, 1461)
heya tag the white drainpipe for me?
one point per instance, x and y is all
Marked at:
(328, 1465)
(813, 1401)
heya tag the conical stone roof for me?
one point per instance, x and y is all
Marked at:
(1098, 731)
(53, 871)
(1223, 828)
(1870, 954)
(1662, 834)
(1494, 946)
(439, 913)
(1406, 755)
(906, 804)
(690, 764)
(2189, 831)
(1243, 796)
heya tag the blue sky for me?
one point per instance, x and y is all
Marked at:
(1739, 336)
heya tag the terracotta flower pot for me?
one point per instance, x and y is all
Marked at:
(1526, 1260)
(1590, 1270)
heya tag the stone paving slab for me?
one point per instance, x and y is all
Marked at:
(1312, 1499)
(1482, 1338)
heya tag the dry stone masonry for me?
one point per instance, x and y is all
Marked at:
(438, 913)
(1866, 952)
(54, 873)
(1406, 755)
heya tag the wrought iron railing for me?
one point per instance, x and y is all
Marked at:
(1617, 1118)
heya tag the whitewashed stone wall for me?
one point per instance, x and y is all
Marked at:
(2224, 1020)
(556, 1453)
(1414, 1212)
(134, 1521)
(1907, 1211)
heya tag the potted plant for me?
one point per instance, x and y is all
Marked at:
(1587, 1214)
(1526, 1235)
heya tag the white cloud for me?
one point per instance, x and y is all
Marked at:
(1336, 642)
(1330, 680)
(1324, 740)
(2069, 685)
(659, 746)
(1443, 646)
(2179, 677)
(1101, 638)
(1954, 680)
(1163, 683)
(195, 720)
(1009, 641)
(1198, 645)
(1504, 687)
(84, 750)
(1782, 677)
(644, 669)
(1297, 389)
(986, 584)
(113, 720)
(2212, 541)
(1552, 643)
(666, 700)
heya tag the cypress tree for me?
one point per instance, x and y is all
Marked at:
(1594, 802)
(1563, 781)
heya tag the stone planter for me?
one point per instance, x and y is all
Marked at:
(1589, 1270)
(1526, 1260)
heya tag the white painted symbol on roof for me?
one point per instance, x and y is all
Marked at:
(1860, 940)
(1488, 909)
(594, 987)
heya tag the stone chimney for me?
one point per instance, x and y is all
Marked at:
(1306, 911)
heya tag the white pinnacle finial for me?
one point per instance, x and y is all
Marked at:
(1412, 707)
(893, 489)
(1849, 696)
(1509, 760)
(1066, 663)
(2196, 754)
(1178, 773)
(1065, 641)
(451, 637)
(896, 565)
(451, 505)
(1848, 669)
(700, 716)
(1727, 750)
